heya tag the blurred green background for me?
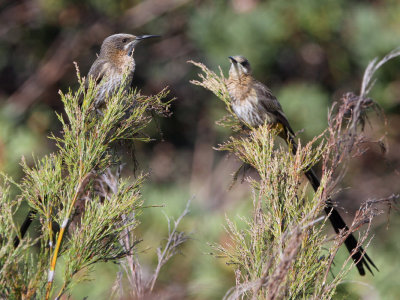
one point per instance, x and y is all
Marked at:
(309, 52)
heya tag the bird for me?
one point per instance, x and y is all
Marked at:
(255, 105)
(114, 65)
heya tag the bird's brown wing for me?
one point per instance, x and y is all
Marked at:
(98, 70)
(97, 73)
(272, 105)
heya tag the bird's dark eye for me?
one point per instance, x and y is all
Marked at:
(245, 63)
(124, 40)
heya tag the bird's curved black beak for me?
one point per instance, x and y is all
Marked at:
(147, 36)
(137, 40)
(232, 59)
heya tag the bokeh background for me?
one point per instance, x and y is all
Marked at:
(309, 52)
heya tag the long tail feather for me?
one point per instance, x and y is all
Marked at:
(25, 226)
(359, 256)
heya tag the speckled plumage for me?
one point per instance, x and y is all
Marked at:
(254, 105)
(114, 64)
(252, 101)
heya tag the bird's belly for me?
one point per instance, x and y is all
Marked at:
(252, 114)
(110, 85)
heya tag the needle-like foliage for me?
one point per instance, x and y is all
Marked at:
(77, 221)
(282, 252)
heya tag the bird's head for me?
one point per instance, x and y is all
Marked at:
(122, 44)
(239, 66)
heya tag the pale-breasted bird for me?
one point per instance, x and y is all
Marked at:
(254, 105)
(114, 64)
